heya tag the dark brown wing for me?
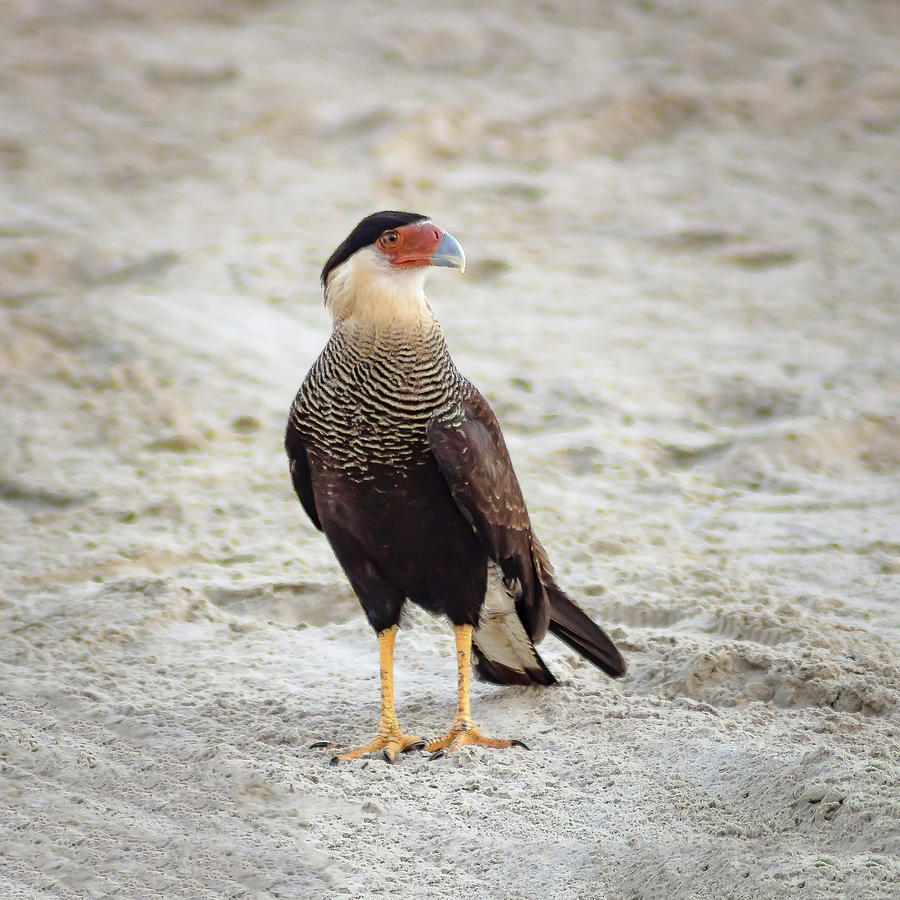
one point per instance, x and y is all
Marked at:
(300, 473)
(475, 463)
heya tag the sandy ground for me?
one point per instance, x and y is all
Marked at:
(682, 226)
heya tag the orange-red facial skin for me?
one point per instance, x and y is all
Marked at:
(414, 245)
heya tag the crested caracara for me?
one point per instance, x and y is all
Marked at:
(399, 460)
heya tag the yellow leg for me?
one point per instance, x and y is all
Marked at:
(390, 740)
(463, 731)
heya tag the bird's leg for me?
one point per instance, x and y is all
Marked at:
(463, 731)
(390, 739)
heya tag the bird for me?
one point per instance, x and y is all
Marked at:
(400, 461)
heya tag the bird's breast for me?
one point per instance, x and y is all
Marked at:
(357, 414)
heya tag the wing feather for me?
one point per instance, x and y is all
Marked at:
(472, 457)
(300, 474)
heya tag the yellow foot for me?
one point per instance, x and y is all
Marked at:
(462, 734)
(389, 745)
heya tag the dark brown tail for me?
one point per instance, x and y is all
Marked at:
(571, 624)
(497, 673)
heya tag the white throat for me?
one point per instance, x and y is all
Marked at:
(368, 291)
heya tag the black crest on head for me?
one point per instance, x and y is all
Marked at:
(367, 232)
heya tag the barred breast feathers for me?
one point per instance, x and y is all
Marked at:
(369, 396)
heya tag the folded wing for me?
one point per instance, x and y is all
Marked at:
(472, 457)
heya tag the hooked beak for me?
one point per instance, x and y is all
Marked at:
(449, 253)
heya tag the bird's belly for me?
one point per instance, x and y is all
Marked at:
(406, 522)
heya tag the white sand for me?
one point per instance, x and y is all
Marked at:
(683, 236)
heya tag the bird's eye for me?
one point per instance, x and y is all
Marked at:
(389, 238)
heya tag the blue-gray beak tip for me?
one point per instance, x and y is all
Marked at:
(449, 253)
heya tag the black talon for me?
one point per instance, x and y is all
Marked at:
(519, 744)
(318, 745)
(387, 757)
(418, 745)
(334, 761)
(436, 755)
